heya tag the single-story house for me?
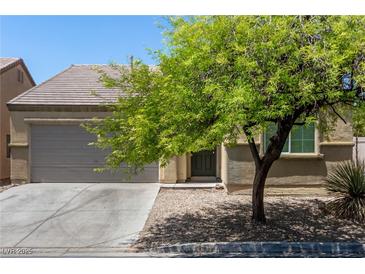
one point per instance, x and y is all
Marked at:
(48, 144)
(14, 80)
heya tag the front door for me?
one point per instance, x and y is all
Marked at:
(203, 163)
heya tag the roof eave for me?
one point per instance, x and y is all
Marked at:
(59, 107)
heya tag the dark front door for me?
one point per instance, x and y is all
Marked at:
(203, 163)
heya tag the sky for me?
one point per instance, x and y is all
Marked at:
(50, 44)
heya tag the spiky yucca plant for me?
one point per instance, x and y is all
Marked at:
(347, 182)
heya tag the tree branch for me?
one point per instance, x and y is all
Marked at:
(255, 153)
(334, 110)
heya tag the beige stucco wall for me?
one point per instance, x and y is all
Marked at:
(307, 169)
(169, 173)
(9, 88)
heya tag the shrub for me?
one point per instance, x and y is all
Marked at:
(347, 182)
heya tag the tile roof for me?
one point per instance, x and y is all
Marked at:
(78, 85)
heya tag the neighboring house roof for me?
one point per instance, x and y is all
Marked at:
(78, 85)
(7, 63)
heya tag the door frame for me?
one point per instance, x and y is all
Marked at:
(218, 157)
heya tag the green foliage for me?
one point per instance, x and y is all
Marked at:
(220, 74)
(347, 181)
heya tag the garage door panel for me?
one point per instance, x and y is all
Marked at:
(73, 156)
(60, 153)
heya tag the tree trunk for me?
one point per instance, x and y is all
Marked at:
(258, 210)
(263, 164)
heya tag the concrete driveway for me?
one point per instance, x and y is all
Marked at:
(67, 219)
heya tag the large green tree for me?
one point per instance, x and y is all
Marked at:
(222, 76)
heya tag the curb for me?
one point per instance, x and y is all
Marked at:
(264, 249)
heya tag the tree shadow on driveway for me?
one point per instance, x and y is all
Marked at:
(297, 220)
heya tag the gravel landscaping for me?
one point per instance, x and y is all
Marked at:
(210, 215)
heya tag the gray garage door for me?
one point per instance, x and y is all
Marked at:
(60, 153)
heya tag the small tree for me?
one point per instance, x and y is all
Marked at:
(221, 76)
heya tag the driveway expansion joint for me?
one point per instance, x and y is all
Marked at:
(54, 214)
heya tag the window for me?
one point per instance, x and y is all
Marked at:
(7, 146)
(300, 140)
(20, 76)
